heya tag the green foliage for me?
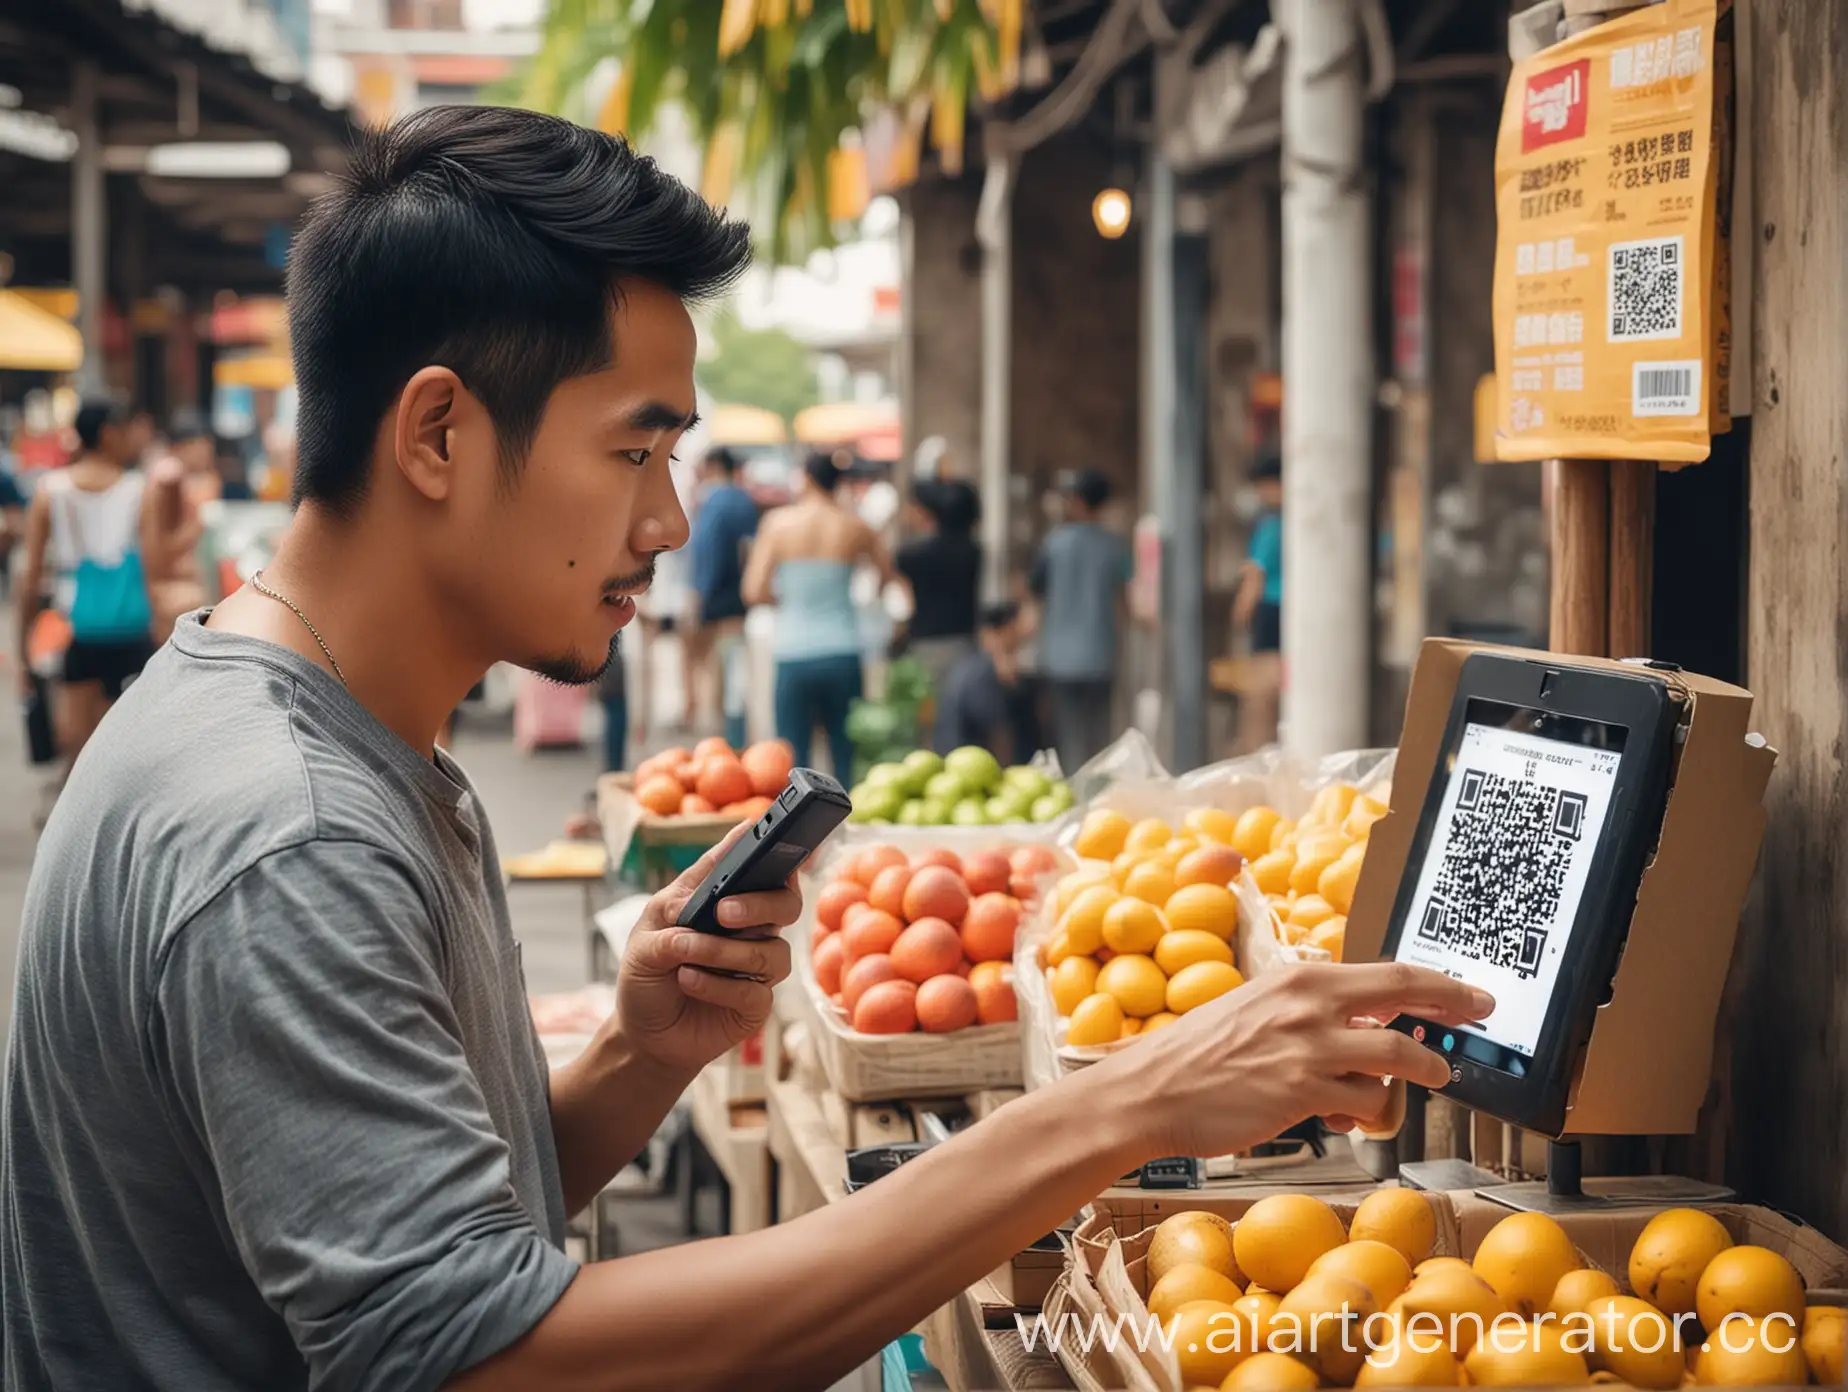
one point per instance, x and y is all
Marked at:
(758, 367)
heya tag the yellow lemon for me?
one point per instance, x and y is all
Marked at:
(1097, 1020)
(1193, 1237)
(1360, 818)
(1211, 864)
(1273, 870)
(1311, 861)
(1752, 1281)
(1281, 831)
(1083, 922)
(1383, 1270)
(1279, 1238)
(1271, 1372)
(1202, 1333)
(1102, 835)
(1076, 883)
(1309, 910)
(1336, 883)
(1825, 1331)
(1512, 1354)
(1747, 1352)
(1055, 950)
(1635, 1342)
(1182, 947)
(1403, 1357)
(1522, 1259)
(1071, 981)
(1330, 935)
(1401, 1218)
(1194, 986)
(1139, 986)
(1161, 1019)
(1212, 824)
(1670, 1254)
(1131, 925)
(1149, 834)
(1152, 882)
(1251, 836)
(1188, 1282)
(1577, 1290)
(1210, 908)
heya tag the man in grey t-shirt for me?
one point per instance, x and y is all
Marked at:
(1079, 578)
(275, 1116)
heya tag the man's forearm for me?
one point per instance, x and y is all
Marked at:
(798, 1305)
(605, 1105)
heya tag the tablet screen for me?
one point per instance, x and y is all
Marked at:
(1526, 801)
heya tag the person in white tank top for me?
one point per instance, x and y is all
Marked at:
(86, 520)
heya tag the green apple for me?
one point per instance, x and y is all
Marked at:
(912, 813)
(924, 761)
(879, 802)
(937, 811)
(948, 786)
(968, 812)
(1009, 805)
(978, 769)
(880, 775)
(1027, 780)
(1054, 804)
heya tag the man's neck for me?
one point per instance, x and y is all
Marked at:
(382, 620)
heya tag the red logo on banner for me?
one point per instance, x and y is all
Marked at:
(1556, 106)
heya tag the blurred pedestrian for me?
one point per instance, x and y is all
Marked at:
(1257, 608)
(1080, 579)
(941, 566)
(984, 700)
(181, 481)
(722, 530)
(804, 561)
(83, 534)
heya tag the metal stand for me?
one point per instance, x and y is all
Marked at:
(1563, 1191)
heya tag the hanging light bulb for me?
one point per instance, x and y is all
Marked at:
(1110, 211)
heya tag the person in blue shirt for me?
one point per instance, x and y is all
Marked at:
(1258, 606)
(722, 529)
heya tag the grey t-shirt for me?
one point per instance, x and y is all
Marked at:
(1079, 576)
(276, 1116)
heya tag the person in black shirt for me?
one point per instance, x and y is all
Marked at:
(943, 569)
(985, 701)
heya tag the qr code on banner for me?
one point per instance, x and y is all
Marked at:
(1646, 281)
(1497, 892)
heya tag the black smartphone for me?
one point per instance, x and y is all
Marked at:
(801, 818)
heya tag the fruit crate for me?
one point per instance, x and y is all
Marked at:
(651, 849)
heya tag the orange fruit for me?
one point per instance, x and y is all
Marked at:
(1138, 985)
(1130, 925)
(929, 947)
(1282, 833)
(768, 763)
(1161, 1019)
(1211, 864)
(1071, 981)
(867, 865)
(1308, 911)
(938, 855)
(1209, 908)
(1182, 947)
(1212, 824)
(987, 872)
(830, 958)
(1097, 1020)
(1251, 836)
(937, 892)
(1033, 860)
(887, 892)
(693, 805)
(1193, 986)
(1272, 871)
(1083, 922)
(863, 975)
(995, 1001)
(1149, 834)
(723, 780)
(661, 795)
(871, 931)
(888, 1007)
(712, 745)
(835, 900)
(989, 926)
(946, 1003)
(1150, 882)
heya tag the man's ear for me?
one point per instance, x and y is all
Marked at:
(424, 439)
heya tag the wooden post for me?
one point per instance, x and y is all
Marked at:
(1581, 508)
(1632, 556)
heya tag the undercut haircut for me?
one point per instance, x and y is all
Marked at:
(489, 241)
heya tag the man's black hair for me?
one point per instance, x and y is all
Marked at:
(95, 415)
(823, 472)
(1088, 486)
(998, 615)
(187, 423)
(725, 460)
(489, 241)
(1268, 465)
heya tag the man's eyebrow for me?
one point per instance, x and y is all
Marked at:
(659, 416)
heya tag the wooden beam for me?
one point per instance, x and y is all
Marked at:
(1789, 1131)
(1632, 558)
(1581, 556)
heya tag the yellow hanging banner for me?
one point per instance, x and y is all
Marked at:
(1612, 267)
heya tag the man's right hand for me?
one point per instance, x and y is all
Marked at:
(1305, 1041)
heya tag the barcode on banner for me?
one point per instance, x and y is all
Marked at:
(1665, 388)
(1646, 289)
(1504, 866)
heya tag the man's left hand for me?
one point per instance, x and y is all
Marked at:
(673, 1010)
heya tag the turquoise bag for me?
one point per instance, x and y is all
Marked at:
(110, 602)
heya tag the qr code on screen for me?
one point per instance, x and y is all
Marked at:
(1646, 280)
(1498, 886)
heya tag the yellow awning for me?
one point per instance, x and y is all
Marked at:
(843, 422)
(746, 425)
(32, 340)
(265, 372)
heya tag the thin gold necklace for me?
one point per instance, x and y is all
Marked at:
(256, 583)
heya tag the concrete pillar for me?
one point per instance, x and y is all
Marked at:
(89, 222)
(1185, 588)
(994, 230)
(1328, 382)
